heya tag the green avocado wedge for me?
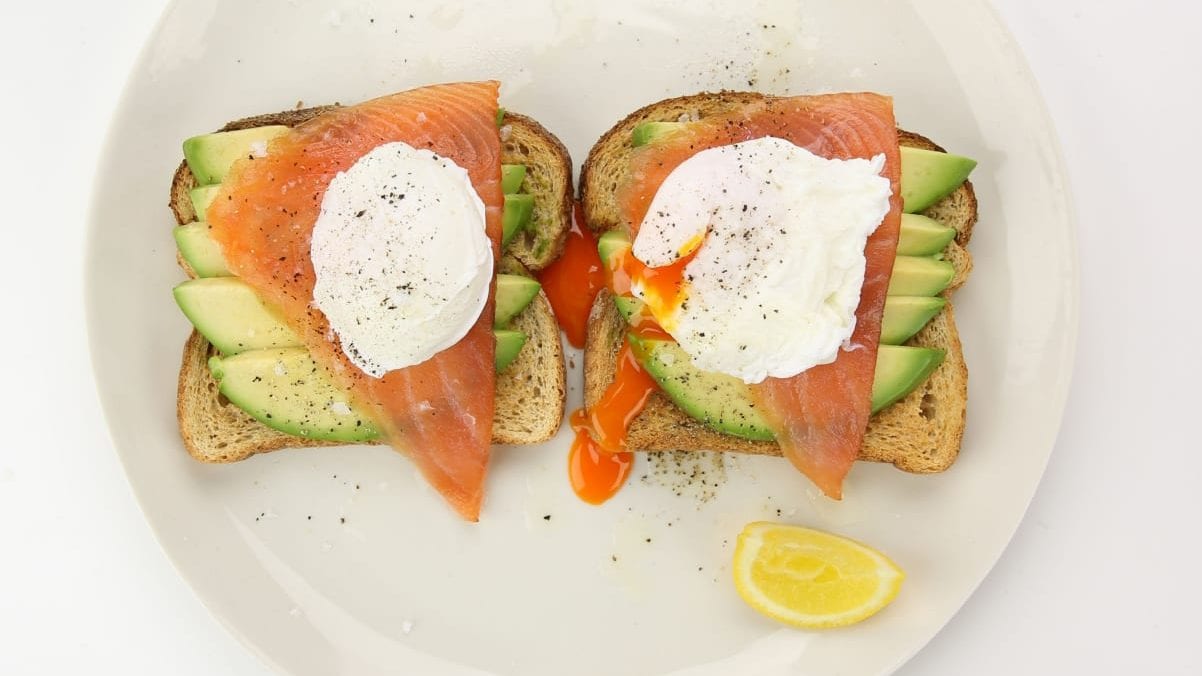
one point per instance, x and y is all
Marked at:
(610, 245)
(720, 401)
(284, 389)
(210, 156)
(519, 209)
(724, 403)
(229, 314)
(649, 132)
(201, 197)
(199, 250)
(906, 315)
(512, 176)
(900, 369)
(514, 293)
(509, 344)
(920, 276)
(928, 176)
(922, 236)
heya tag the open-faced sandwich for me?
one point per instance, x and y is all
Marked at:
(363, 274)
(779, 273)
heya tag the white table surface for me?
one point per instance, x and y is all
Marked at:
(1103, 577)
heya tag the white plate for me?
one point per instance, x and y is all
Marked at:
(545, 584)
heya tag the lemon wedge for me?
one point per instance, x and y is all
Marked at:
(810, 579)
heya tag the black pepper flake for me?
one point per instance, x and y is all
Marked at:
(546, 517)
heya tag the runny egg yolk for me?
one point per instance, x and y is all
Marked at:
(599, 463)
(663, 290)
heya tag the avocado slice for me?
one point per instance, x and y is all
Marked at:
(514, 293)
(509, 344)
(648, 132)
(928, 176)
(906, 315)
(202, 197)
(229, 314)
(920, 276)
(922, 236)
(899, 370)
(200, 250)
(284, 389)
(210, 156)
(197, 243)
(724, 403)
(628, 306)
(718, 400)
(518, 210)
(512, 176)
(610, 245)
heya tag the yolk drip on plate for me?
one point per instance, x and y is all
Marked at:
(599, 463)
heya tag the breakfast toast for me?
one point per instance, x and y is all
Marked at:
(920, 433)
(529, 392)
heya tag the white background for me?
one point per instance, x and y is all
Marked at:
(1104, 576)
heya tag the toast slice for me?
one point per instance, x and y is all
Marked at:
(530, 392)
(921, 433)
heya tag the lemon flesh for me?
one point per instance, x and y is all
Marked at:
(811, 579)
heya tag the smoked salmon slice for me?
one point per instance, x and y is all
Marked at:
(438, 412)
(820, 415)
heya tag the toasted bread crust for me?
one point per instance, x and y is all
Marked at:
(922, 433)
(530, 392)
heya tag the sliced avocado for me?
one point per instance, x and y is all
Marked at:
(509, 344)
(514, 293)
(512, 176)
(209, 156)
(650, 131)
(500, 116)
(628, 306)
(920, 276)
(906, 315)
(720, 401)
(518, 210)
(200, 250)
(928, 176)
(725, 404)
(922, 236)
(202, 197)
(900, 369)
(611, 244)
(284, 389)
(229, 314)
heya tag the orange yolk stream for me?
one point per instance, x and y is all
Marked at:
(599, 463)
(663, 287)
(573, 280)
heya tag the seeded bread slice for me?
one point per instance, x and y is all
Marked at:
(530, 392)
(921, 433)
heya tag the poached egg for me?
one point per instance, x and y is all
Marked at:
(402, 259)
(753, 255)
